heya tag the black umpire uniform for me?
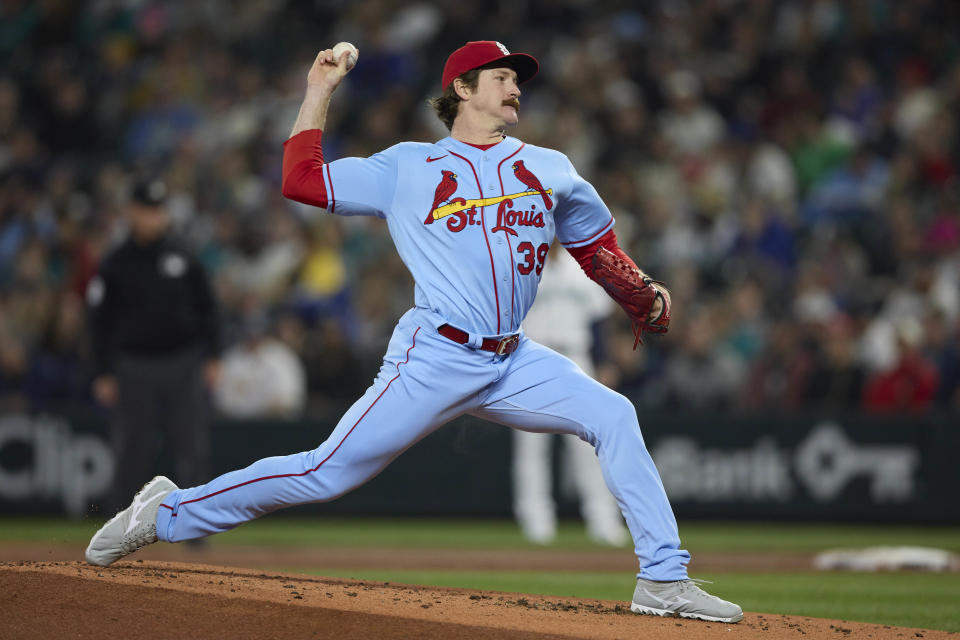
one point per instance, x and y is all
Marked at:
(155, 337)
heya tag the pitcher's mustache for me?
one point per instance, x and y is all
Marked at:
(512, 102)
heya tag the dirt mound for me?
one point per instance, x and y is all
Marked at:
(150, 599)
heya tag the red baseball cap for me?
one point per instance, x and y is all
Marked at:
(479, 53)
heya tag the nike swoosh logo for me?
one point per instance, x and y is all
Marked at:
(429, 159)
(676, 601)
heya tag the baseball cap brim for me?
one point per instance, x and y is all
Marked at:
(487, 54)
(525, 65)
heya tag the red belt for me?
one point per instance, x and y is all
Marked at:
(501, 346)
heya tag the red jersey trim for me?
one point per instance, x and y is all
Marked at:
(584, 255)
(482, 147)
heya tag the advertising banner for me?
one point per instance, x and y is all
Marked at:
(793, 467)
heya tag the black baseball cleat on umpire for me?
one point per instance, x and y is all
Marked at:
(682, 598)
(132, 528)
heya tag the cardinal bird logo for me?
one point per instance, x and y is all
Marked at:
(446, 188)
(525, 176)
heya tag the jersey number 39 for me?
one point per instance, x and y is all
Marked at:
(532, 260)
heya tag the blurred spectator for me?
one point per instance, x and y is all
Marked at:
(748, 331)
(765, 243)
(58, 377)
(911, 385)
(321, 287)
(836, 378)
(732, 142)
(261, 377)
(851, 194)
(780, 373)
(705, 373)
(856, 99)
(690, 126)
(13, 366)
(770, 177)
(789, 97)
(942, 348)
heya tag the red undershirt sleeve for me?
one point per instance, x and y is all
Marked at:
(303, 178)
(584, 255)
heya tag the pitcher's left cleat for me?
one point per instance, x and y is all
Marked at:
(682, 598)
(132, 528)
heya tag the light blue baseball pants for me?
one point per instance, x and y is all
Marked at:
(425, 381)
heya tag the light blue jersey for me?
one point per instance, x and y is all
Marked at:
(474, 228)
(473, 233)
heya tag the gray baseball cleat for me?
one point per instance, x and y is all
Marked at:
(132, 528)
(682, 598)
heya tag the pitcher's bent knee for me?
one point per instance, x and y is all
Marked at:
(619, 410)
(616, 415)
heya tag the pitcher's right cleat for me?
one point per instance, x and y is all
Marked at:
(132, 528)
(682, 598)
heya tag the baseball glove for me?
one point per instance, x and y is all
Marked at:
(636, 292)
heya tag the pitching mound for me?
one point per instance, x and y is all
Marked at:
(150, 599)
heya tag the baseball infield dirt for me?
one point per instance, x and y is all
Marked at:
(158, 599)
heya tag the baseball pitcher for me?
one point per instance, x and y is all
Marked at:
(472, 216)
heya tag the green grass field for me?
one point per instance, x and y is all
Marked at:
(909, 599)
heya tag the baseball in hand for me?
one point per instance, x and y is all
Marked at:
(338, 50)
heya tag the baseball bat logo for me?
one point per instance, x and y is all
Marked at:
(466, 212)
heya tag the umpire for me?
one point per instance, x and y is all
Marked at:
(156, 343)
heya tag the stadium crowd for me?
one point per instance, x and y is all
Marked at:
(788, 167)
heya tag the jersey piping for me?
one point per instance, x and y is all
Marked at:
(513, 262)
(333, 199)
(605, 228)
(483, 221)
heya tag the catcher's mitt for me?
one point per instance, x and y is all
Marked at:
(636, 292)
